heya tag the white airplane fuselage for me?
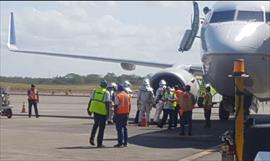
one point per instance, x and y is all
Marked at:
(237, 37)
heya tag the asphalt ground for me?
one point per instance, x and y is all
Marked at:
(62, 134)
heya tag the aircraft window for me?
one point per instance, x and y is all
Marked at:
(222, 16)
(267, 16)
(250, 16)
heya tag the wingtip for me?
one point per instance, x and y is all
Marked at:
(11, 36)
(12, 47)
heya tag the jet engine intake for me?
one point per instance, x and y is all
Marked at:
(179, 77)
(127, 66)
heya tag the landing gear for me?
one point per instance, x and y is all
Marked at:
(226, 107)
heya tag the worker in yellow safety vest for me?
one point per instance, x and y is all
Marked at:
(99, 105)
(169, 100)
(207, 104)
(187, 102)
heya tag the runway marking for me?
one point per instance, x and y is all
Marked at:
(201, 154)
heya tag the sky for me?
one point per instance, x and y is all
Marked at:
(139, 30)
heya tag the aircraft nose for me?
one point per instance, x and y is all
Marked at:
(234, 38)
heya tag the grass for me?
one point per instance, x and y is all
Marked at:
(49, 88)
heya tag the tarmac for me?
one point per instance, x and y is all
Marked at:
(61, 133)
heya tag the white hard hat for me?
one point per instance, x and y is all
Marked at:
(162, 82)
(146, 82)
(207, 85)
(127, 83)
(113, 84)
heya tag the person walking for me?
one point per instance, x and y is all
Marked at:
(187, 102)
(33, 99)
(99, 105)
(169, 100)
(146, 99)
(207, 104)
(122, 109)
(159, 102)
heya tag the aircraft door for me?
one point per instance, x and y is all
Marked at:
(190, 34)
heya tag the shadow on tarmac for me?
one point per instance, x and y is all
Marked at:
(84, 147)
(201, 138)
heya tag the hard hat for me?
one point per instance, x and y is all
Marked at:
(162, 82)
(127, 83)
(120, 88)
(207, 85)
(103, 84)
(112, 85)
(146, 82)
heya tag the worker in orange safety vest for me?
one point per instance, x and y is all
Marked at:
(187, 102)
(122, 109)
(33, 99)
(178, 93)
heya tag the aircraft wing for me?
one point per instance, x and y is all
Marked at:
(125, 63)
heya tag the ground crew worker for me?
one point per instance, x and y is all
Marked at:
(169, 101)
(33, 99)
(158, 100)
(122, 109)
(112, 90)
(178, 93)
(187, 102)
(146, 100)
(99, 105)
(207, 104)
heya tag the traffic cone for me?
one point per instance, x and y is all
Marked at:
(23, 108)
(144, 122)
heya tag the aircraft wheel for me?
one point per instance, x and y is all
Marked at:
(9, 113)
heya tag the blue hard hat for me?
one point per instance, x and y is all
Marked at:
(103, 84)
(120, 87)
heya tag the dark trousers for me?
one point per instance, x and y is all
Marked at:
(207, 115)
(99, 121)
(121, 127)
(186, 118)
(30, 104)
(175, 116)
(136, 120)
(166, 113)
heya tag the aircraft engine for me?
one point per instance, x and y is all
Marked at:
(174, 77)
(127, 66)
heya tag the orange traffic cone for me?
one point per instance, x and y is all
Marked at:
(144, 122)
(23, 108)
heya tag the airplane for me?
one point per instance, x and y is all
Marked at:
(229, 31)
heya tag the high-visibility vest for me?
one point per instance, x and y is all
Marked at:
(186, 103)
(97, 103)
(123, 104)
(208, 98)
(178, 93)
(169, 96)
(33, 95)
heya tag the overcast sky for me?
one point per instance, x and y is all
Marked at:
(147, 31)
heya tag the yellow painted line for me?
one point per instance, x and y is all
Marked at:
(201, 154)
